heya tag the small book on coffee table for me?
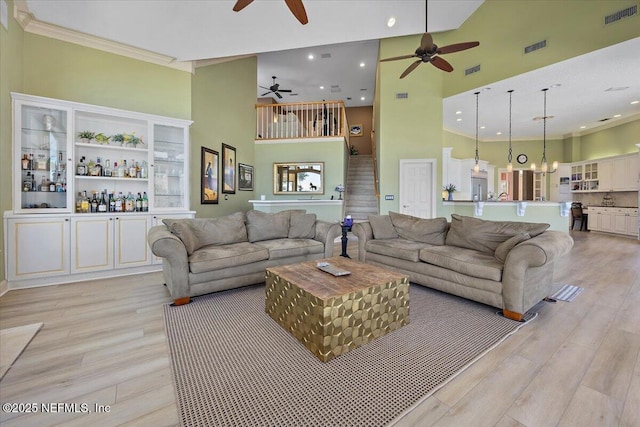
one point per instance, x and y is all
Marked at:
(331, 269)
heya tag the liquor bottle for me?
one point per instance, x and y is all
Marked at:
(81, 168)
(58, 186)
(79, 202)
(145, 202)
(102, 204)
(132, 169)
(91, 168)
(34, 187)
(25, 162)
(119, 202)
(31, 166)
(129, 203)
(26, 184)
(52, 186)
(99, 170)
(139, 203)
(112, 202)
(144, 170)
(43, 184)
(94, 203)
(85, 202)
(125, 169)
(107, 168)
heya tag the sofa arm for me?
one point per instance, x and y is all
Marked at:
(175, 264)
(326, 233)
(364, 233)
(528, 270)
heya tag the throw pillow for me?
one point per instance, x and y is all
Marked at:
(302, 226)
(198, 232)
(267, 226)
(486, 236)
(432, 231)
(505, 247)
(382, 227)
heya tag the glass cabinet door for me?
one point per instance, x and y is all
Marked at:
(42, 158)
(170, 168)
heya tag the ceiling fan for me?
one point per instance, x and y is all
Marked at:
(295, 6)
(429, 52)
(275, 88)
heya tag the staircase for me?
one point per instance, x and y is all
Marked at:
(360, 199)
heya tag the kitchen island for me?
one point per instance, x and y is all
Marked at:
(556, 214)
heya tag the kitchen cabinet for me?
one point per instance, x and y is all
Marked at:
(618, 173)
(91, 243)
(37, 247)
(613, 220)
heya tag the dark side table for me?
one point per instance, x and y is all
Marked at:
(345, 230)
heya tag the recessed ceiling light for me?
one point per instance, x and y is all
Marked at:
(362, 64)
(311, 56)
(362, 98)
(635, 102)
(555, 85)
(481, 127)
(498, 133)
(458, 120)
(583, 127)
(391, 22)
(458, 112)
(617, 115)
(321, 87)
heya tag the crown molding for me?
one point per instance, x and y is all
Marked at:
(30, 24)
(609, 124)
(213, 61)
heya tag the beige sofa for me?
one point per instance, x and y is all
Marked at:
(208, 255)
(508, 265)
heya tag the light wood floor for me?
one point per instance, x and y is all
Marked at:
(577, 364)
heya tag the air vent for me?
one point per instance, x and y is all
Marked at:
(293, 94)
(335, 89)
(624, 13)
(402, 95)
(472, 70)
(616, 89)
(536, 46)
(325, 55)
(605, 119)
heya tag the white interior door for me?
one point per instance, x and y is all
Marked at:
(417, 187)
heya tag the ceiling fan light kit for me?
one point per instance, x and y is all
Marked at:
(544, 166)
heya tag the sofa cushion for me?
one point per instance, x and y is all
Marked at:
(198, 232)
(432, 231)
(464, 261)
(217, 257)
(267, 226)
(302, 226)
(486, 236)
(503, 248)
(382, 227)
(396, 248)
(285, 248)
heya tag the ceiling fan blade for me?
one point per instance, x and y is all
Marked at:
(297, 8)
(264, 87)
(442, 64)
(395, 58)
(284, 90)
(410, 68)
(278, 95)
(241, 4)
(457, 47)
(266, 93)
(426, 43)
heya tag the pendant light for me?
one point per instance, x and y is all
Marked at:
(510, 155)
(476, 167)
(544, 166)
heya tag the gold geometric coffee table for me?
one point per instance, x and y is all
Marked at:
(332, 315)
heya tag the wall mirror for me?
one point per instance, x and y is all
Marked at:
(298, 178)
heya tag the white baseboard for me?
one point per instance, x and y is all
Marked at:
(4, 287)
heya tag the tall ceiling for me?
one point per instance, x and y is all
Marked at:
(343, 34)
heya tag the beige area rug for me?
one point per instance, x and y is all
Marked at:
(235, 366)
(13, 341)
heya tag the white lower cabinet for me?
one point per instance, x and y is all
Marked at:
(37, 247)
(54, 249)
(91, 244)
(614, 220)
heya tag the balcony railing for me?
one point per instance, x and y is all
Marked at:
(301, 120)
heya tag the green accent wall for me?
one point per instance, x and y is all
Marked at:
(11, 71)
(613, 141)
(223, 104)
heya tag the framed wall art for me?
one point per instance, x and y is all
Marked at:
(209, 177)
(228, 169)
(355, 130)
(245, 177)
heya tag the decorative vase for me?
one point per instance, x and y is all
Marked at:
(450, 196)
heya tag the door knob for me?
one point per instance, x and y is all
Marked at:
(405, 206)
